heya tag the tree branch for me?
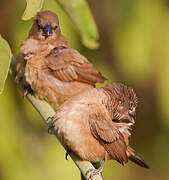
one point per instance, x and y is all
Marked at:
(46, 111)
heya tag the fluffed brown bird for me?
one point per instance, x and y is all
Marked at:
(91, 124)
(49, 66)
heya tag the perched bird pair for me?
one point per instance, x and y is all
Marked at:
(88, 120)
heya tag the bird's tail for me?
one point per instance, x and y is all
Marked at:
(136, 159)
(124, 129)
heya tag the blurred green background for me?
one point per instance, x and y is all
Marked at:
(134, 49)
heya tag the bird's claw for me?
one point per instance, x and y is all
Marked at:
(67, 154)
(50, 125)
(27, 91)
(93, 172)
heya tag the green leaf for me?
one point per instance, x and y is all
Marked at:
(5, 59)
(32, 7)
(80, 13)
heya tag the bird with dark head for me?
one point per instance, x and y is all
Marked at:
(86, 124)
(49, 67)
(45, 26)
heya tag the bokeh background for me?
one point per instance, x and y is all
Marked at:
(134, 49)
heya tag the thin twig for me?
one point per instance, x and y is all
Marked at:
(46, 111)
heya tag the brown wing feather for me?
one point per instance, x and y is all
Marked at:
(110, 137)
(68, 65)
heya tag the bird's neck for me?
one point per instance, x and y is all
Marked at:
(61, 41)
(56, 40)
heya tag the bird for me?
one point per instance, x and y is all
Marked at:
(96, 123)
(48, 67)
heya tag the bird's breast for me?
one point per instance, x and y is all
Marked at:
(74, 131)
(32, 76)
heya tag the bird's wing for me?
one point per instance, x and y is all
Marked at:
(67, 64)
(109, 136)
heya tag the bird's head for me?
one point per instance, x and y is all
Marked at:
(46, 25)
(123, 102)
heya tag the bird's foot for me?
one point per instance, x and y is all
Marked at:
(50, 125)
(67, 154)
(27, 91)
(94, 172)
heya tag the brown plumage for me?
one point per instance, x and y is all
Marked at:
(49, 66)
(91, 124)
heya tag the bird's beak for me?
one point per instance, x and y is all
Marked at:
(132, 116)
(47, 30)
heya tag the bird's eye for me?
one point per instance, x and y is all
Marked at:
(55, 27)
(39, 26)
